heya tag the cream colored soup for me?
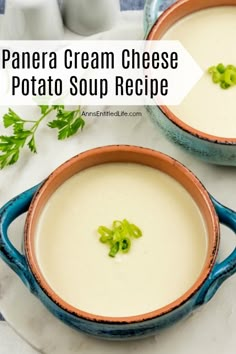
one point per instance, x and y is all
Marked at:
(161, 265)
(208, 35)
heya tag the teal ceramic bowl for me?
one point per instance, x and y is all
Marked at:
(210, 148)
(26, 266)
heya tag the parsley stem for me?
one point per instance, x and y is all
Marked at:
(37, 122)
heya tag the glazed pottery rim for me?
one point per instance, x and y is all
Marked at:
(165, 110)
(206, 269)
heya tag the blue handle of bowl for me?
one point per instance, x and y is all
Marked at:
(151, 11)
(15, 260)
(221, 271)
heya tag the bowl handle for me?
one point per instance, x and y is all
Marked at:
(151, 11)
(14, 259)
(221, 271)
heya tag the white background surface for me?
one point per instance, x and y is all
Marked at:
(210, 331)
(11, 343)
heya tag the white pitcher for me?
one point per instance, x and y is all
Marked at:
(31, 19)
(87, 17)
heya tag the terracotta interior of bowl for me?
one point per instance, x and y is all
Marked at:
(173, 14)
(123, 154)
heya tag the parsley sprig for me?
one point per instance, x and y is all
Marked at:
(67, 122)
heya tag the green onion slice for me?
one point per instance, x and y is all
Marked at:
(119, 236)
(224, 75)
(114, 249)
(125, 245)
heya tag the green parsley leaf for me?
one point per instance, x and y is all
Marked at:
(67, 123)
(43, 109)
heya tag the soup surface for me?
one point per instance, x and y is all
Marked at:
(208, 36)
(160, 266)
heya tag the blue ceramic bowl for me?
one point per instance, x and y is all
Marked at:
(212, 149)
(118, 328)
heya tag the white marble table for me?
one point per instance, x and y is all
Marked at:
(13, 343)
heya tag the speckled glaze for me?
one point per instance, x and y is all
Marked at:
(212, 149)
(117, 328)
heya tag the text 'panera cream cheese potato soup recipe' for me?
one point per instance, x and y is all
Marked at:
(124, 71)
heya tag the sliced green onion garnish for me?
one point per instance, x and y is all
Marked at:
(232, 67)
(224, 85)
(212, 69)
(106, 234)
(125, 245)
(230, 77)
(114, 249)
(119, 236)
(136, 231)
(223, 75)
(220, 68)
(216, 77)
(117, 224)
